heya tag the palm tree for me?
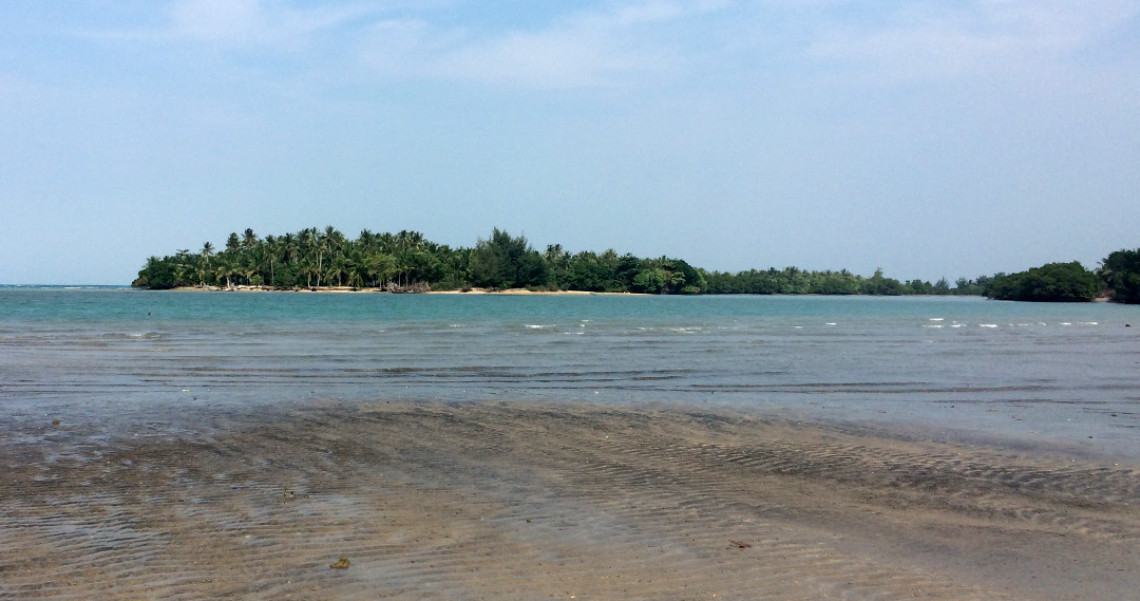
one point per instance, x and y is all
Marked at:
(366, 240)
(290, 248)
(335, 237)
(224, 270)
(322, 248)
(233, 243)
(307, 245)
(405, 243)
(355, 279)
(248, 269)
(202, 263)
(272, 252)
(207, 252)
(338, 267)
(249, 239)
(379, 266)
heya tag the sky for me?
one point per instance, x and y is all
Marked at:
(929, 138)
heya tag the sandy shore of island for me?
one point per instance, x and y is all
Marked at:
(352, 290)
(521, 501)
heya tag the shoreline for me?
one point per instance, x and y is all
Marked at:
(520, 500)
(352, 290)
(523, 292)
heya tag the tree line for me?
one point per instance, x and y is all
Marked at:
(408, 262)
(793, 280)
(1117, 278)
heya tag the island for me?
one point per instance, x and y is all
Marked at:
(325, 259)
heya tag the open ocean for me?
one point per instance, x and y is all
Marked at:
(1055, 373)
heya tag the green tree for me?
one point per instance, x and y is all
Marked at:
(505, 261)
(880, 285)
(557, 265)
(591, 272)
(1120, 271)
(233, 243)
(204, 265)
(248, 239)
(157, 274)
(225, 268)
(1053, 282)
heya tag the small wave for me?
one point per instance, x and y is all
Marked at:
(987, 325)
(830, 323)
(130, 336)
(537, 326)
(937, 319)
(933, 326)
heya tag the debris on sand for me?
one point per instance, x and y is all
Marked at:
(341, 564)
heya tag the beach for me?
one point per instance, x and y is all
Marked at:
(517, 500)
(473, 291)
(357, 446)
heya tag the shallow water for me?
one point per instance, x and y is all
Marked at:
(522, 501)
(1059, 373)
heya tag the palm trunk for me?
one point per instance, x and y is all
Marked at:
(319, 269)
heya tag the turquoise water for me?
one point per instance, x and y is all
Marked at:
(1058, 372)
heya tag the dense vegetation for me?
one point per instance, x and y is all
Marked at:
(1054, 282)
(792, 280)
(407, 262)
(1121, 274)
(1117, 279)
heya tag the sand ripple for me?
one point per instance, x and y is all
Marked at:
(516, 501)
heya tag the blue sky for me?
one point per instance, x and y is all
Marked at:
(929, 138)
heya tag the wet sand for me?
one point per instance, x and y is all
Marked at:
(522, 501)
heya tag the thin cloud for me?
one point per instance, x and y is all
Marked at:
(242, 24)
(930, 41)
(255, 23)
(560, 58)
(579, 50)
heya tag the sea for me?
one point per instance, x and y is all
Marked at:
(1023, 373)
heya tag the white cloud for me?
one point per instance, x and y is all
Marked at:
(257, 22)
(929, 41)
(561, 58)
(586, 49)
